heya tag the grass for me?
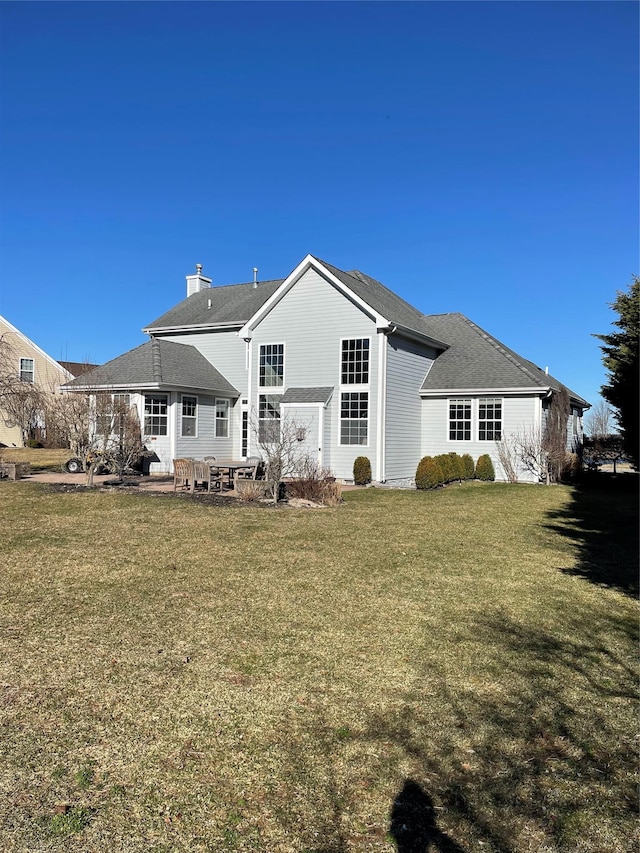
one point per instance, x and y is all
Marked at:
(406, 668)
(40, 458)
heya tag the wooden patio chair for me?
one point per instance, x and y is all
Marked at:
(205, 475)
(251, 470)
(182, 474)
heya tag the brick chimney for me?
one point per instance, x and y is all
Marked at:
(197, 282)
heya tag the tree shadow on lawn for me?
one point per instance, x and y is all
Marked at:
(536, 752)
(537, 762)
(602, 520)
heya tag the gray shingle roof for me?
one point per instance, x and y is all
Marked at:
(157, 363)
(231, 303)
(475, 359)
(384, 301)
(307, 395)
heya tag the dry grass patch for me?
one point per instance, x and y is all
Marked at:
(40, 458)
(178, 677)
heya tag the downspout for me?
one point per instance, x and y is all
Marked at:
(381, 449)
(248, 359)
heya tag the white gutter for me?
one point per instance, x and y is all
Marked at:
(195, 327)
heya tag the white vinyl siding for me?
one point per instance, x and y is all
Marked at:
(518, 414)
(408, 363)
(314, 318)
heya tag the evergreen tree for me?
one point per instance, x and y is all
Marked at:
(620, 357)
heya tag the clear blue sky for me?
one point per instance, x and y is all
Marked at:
(475, 157)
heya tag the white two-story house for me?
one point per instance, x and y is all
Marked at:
(358, 369)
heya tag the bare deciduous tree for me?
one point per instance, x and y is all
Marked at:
(279, 442)
(554, 437)
(21, 402)
(599, 421)
(508, 453)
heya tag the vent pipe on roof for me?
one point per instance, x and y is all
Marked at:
(546, 370)
(197, 282)
(255, 277)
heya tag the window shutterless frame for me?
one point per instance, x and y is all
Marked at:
(27, 370)
(188, 416)
(271, 366)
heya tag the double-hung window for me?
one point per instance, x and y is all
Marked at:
(489, 419)
(222, 418)
(155, 414)
(354, 403)
(27, 370)
(268, 418)
(460, 420)
(189, 427)
(354, 417)
(110, 409)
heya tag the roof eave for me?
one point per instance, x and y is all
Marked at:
(414, 334)
(193, 327)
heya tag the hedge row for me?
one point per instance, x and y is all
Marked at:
(435, 471)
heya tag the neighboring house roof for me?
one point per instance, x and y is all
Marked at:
(156, 364)
(476, 360)
(28, 342)
(307, 395)
(77, 368)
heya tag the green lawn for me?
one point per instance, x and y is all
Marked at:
(183, 677)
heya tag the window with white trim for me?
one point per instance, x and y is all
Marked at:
(222, 418)
(354, 417)
(271, 373)
(156, 409)
(355, 362)
(489, 419)
(268, 417)
(27, 370)
(460, 420)
(189, 417)
(109, 408)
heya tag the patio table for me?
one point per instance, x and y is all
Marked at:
(230, 466)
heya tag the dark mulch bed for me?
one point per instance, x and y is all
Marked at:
(130, 487)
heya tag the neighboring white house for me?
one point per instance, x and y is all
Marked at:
(29, 364)
(363, 371)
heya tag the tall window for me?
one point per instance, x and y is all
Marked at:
(271, 365)
(245, 433)
(489, 419)
(27, 370)
(354, 417)
(222, 418)
(189, 416)
(268, 417)
(155, 414)
(460, 420)
(109, 407)
(355, 362)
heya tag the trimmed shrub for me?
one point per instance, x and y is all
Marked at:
(469, 467)
(361, 471)
(457, 466)
(484, 468)
(428, 474)
(446, 466)
(34, 443)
